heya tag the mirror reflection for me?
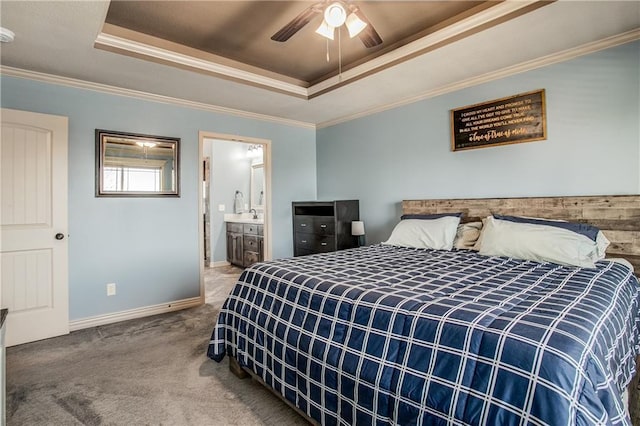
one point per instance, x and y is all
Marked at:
(257, 186)
(129, 164)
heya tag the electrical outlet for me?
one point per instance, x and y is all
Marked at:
(111, 289)
(220, 207)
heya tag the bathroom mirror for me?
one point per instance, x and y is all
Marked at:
(257, 186)
(134, 165)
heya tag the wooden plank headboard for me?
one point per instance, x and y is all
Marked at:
(618, 216)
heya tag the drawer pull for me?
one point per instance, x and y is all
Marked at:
(323, 226)
(323, 244)
(303, 225)
(304, 241)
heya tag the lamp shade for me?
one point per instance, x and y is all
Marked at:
(326, 30)
(355, 25)
(357, 227)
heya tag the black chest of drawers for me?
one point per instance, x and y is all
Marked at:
(323, 226)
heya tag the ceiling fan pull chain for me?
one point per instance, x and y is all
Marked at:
(327, 50)
(339, 54)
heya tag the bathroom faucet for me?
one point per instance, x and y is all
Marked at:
(255, 213)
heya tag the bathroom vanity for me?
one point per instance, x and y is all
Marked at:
(245, 242)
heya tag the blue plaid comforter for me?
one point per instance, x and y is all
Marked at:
(389, 335)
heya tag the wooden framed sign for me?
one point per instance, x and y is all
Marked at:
(515, 119)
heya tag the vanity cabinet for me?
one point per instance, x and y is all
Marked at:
(244, 243)
(235, 250)
(323, 226)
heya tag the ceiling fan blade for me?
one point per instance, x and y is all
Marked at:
(296, 24)
(369, 36)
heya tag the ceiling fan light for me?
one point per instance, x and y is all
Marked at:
(326, 30)
(6, 35)
(335, 14)
(146, 144)
(354, 24)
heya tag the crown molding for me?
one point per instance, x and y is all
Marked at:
(154, 53)
(119, 91)
(562, 56)
(444, 36)
(128, 42)
(543, 61)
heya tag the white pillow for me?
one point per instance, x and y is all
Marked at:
(540, 243)
(601, 241)
(425, 233)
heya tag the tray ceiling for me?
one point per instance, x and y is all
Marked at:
(241, 30)
(233, 38)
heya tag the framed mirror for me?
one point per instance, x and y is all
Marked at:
(134, 165)
(257, 186)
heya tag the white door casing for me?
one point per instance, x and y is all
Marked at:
(33, 218)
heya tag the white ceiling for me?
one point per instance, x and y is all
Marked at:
(58, 38)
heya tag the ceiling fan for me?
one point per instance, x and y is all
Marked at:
(335, 14)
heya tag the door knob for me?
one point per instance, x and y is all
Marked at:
(59, 236)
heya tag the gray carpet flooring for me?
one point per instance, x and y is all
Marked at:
(146, 371)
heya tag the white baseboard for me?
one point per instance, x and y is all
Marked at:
(145, 311)
(219, 263)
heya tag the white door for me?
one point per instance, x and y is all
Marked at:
(33, 220)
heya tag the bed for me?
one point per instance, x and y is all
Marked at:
(386, 334)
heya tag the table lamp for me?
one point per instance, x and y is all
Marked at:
(357, 230)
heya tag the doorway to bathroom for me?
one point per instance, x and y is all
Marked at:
(235, 201)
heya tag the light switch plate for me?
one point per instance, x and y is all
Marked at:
(111, 289)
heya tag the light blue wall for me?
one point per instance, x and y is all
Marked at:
(149, 247)
(593, 144)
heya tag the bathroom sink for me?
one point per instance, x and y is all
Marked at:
(243, 218)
